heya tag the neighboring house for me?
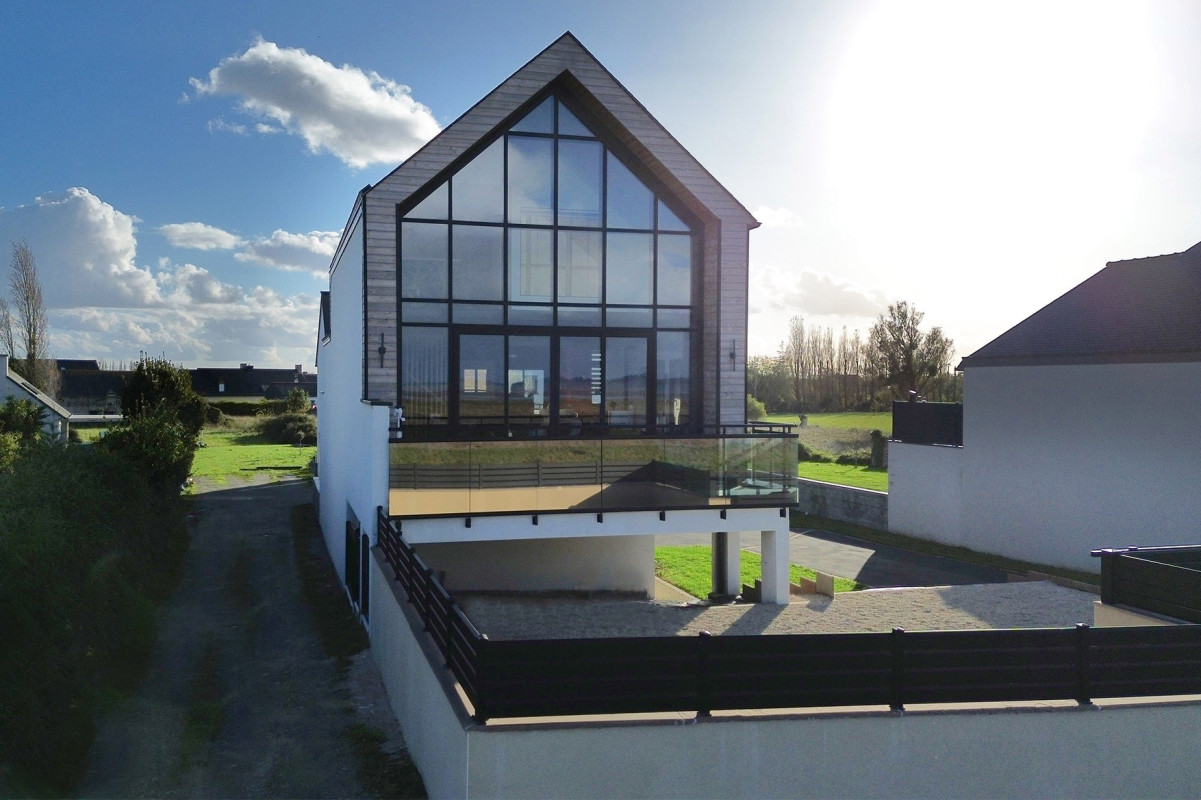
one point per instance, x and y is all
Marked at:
(57, 419)
(87, 389)
(532, 351)
(1080, 426)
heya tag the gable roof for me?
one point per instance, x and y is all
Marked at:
(569, 62)
(1143, 310)
(13, 385)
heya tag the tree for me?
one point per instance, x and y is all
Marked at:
(793, 354)
(156, 384)
(23, 322)
(903, 357)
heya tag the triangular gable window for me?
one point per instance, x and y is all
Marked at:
(432, 207)
(569, 125)
(540, 120)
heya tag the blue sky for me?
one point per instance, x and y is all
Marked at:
(182, 171)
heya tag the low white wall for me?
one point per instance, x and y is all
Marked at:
(1122, 749)
(925, 491)
(609, 563)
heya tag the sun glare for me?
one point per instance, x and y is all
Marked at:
(958, 125)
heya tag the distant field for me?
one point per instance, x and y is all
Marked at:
(241, 452)
(844, 475)
(846, 420)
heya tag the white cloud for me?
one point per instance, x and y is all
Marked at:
(812, 293)
(360, 117)
(219, 124)
(100, 304)
(84, 248)
(199, 236)
(777, 217)
(296, 252)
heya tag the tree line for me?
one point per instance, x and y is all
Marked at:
(816, 370)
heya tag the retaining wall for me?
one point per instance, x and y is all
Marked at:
(843, 503)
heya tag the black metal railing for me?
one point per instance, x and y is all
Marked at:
(927, 423)
(552, 677)
(1162, 580)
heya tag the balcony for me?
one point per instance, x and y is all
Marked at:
(735, 466)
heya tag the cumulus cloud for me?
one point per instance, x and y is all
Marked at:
(360, 117)
(812, 293)
(296, 252)
(190, 284)
(199, 236)
(85, 250)
(777, 217)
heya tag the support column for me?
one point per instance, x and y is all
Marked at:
(774, 546)
(727, 567)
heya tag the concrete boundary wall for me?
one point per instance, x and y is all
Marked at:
(843, 503)
(991, 750)
(925, 492)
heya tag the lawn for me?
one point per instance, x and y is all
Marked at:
(240, 452)
(690, 568)
(844, 475)
(846, 420)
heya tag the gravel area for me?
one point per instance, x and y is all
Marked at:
(1036, 604)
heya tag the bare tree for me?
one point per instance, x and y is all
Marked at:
(792, 353)
(23, 321)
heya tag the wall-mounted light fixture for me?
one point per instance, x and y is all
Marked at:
(382, 350)
(733, 354)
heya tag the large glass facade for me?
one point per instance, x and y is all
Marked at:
(546, 290)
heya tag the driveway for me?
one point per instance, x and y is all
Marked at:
(237, 621)
(875, 565)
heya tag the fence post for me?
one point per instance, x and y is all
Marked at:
(450, 612)
(898, 652)
(703, 702)
(424, 606)
(1083, 679)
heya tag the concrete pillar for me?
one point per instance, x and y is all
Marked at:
(774, 546)
(727, 567)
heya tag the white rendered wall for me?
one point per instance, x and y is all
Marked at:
(352, 436)
(1061, 460)
(598, 563)
(1121, 749)
(925, 492)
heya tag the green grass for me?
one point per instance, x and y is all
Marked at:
(241, 452)
(844, 475)
(89, 434)
(690, 568)
(857, 420)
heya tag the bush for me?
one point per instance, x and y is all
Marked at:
(806, 453)
(859, 458)
(158, 445)
(85, 546)
(297, 401)
(754, 408)
(291, 428)
(237, 408)
(155, 384)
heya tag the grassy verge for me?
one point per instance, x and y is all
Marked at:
(856, 420)
(844, 475)
(689, 567)
(803, 521)
(383, 775)
(340, 633)
(240, 451)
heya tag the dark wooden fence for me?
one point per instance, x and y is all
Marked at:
(706, 673)
(927, 423)
(1162, 580)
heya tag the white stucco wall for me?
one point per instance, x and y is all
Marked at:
(925, 492)
(1059, 460)
(1120, 749)
(607, 563)
(352, 437)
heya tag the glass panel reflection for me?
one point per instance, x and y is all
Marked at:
(668, 221)
(579, 266)
(531, 262)
(580, 183)
(482, 386)
(579, 384)
(570, 125)
(479, 263)
(628, 203)
(423, 312)
(671, 379)
(674, 266)
(423, 375)
(478, 189)
(540, 120)
(625, 382)
(531, 180)
(628, 277)
(423, 260)
(432, 207)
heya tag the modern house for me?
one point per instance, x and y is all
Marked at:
(1079, 426)
(531, 354)
(57, 419)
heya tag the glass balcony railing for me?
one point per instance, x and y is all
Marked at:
(737, 466)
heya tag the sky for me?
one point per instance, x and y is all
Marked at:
(182, 171)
